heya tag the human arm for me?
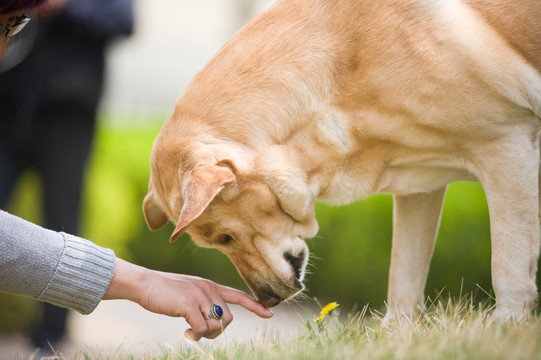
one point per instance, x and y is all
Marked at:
(181, 296)
(50, 266)
(75, 273)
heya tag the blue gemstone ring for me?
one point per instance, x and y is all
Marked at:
(216, 312)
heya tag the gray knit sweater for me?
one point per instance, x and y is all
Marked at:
(50, 266)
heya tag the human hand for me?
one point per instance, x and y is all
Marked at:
(180, 295)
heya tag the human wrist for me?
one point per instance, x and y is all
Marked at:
(128, 282)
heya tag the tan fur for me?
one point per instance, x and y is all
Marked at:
(338, 100)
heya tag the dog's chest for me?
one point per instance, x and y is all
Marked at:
(369, 173)
(404, 180)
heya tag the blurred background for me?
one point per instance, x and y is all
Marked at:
(145, 73)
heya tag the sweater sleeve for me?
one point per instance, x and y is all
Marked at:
(50, 266)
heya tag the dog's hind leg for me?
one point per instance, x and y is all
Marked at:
(415, 224)
(509, 172)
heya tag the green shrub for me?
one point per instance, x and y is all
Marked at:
(17, 313)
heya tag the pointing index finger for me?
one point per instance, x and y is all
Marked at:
(234, 296)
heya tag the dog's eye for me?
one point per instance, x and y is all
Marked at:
(226, 239)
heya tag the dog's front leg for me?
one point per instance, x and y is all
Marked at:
(508, 172)
(415, 225)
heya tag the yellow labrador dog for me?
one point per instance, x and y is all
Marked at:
(336, 100)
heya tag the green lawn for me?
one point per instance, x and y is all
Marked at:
(448, 330)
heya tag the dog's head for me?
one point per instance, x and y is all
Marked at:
(257, 209)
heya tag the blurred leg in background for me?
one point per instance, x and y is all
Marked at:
(63, 134)
(48, 110)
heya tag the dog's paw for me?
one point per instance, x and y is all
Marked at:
(504, 313)
(396, 316)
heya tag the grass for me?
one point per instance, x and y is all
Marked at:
(448, 330)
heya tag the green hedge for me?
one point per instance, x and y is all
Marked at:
(350, 255)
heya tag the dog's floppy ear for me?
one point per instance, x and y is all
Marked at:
(154, 215)
(200, 187)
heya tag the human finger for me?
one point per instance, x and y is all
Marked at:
(212, 292)
(234, 296)
(218, 318)
(212, 326)
(198, 322)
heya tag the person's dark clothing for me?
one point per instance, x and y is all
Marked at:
(48, 108)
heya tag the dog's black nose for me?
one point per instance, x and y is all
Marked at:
(296, 263)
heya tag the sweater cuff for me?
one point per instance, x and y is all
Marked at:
(82, 276)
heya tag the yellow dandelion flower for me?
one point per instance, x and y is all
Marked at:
(326, 311)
